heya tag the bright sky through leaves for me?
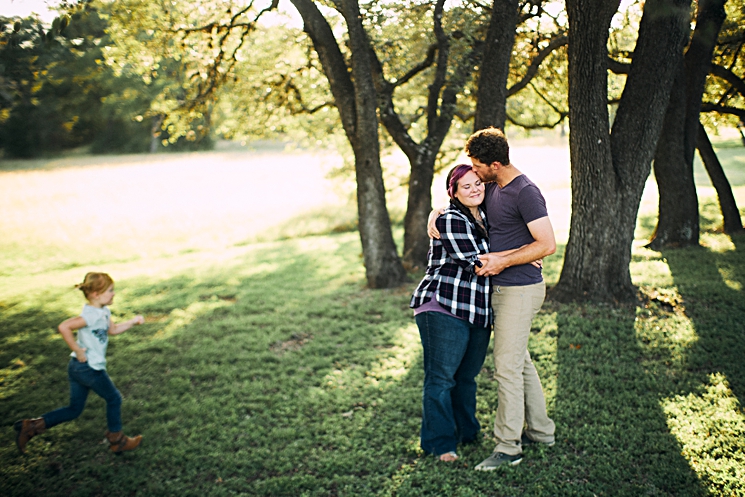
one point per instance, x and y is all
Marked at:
(24, 8)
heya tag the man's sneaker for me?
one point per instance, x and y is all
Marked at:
(525, 441)
(498, 459)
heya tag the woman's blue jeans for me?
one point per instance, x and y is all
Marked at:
(454, 351)
(84, 378)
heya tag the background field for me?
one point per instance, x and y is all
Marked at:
(265, 367)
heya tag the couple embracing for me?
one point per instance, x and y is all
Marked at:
(484, 269)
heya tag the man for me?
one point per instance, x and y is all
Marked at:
(520, 232)
(518, 219)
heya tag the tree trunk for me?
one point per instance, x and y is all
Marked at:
(383, 265)
(727, 202)
(155, 133)
(678, 221)
(491, 106)
(609, 170)
(355, 100)
(418, 207)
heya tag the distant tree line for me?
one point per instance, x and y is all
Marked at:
(58, 92)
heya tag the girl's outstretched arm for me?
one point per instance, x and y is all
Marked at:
(115, 329)
(66, 328)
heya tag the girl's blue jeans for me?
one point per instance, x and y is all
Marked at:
(84, 378)
(454, 351)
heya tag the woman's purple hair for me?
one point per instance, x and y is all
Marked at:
(454, 176)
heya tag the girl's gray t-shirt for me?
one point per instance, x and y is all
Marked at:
(94, 337)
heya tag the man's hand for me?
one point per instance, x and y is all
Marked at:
(492, 264)
(432, 230)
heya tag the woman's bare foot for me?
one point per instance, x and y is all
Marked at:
(449, 457)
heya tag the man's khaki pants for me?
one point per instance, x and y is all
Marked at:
(521, 400)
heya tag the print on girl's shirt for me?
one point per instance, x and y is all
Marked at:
(101, 335)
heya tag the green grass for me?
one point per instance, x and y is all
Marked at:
(269, 369)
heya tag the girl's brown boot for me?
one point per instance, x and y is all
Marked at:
(26, 429)
(119, 442)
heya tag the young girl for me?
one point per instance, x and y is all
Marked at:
(87, 368)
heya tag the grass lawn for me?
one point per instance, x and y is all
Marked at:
(265, 367)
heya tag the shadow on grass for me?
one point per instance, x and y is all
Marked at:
(710, 285)
(610, 425)
(706, 413)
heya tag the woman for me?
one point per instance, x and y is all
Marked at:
(453, 311)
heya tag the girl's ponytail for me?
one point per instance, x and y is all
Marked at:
(94, 283)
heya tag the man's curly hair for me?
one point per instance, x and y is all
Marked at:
(488, 145)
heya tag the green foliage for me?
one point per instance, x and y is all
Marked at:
(26, 123)
(60, 92)
(543, 102)
(728, 54)
(282, 92)
(186, 55)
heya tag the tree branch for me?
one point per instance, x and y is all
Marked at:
(723, 109)
(427, 62)
(726, 74)
(232, 24)
(618, 67)
(535, 64)
(443, 52)
(536, 126)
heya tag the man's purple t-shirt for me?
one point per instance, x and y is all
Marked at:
(509, 210)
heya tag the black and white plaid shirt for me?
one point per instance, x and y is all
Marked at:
(451, 276)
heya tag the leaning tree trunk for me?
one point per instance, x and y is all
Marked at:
(727, 202)
(678, 221)
(609, 170)
(356, 103)
(384, 268)
(491, 106)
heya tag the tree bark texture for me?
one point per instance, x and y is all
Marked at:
(418, 208)
(491, 106)
(609, 169)
(678, 221)
(355, 100)
(727, 202)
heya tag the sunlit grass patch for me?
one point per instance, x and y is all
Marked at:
(730, 278)
(179, 318)
(141, 207)
(399, 355)
(717, 242)
(650, 268)
(710, 426)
